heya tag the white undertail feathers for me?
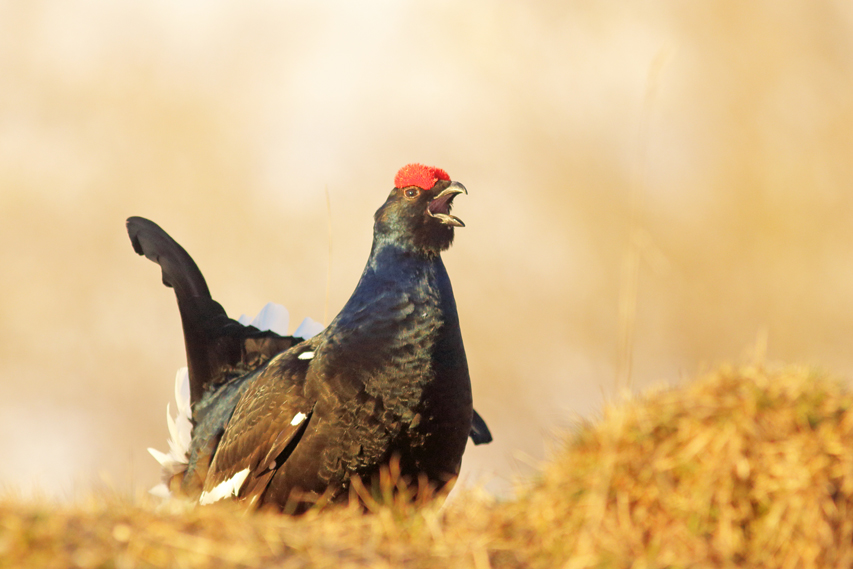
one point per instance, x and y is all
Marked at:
(272, 317)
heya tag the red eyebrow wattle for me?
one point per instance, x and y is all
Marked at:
(419, 175)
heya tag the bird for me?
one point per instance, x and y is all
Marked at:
(288, 421)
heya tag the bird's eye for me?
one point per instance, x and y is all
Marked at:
(412, 192)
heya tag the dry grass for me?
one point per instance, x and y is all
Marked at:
(747, 467)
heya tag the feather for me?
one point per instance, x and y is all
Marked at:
(161, 490)
(159, 456)
(273, 317)
(308, 329)
(230, 487)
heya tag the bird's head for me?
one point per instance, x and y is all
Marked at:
(416, 214)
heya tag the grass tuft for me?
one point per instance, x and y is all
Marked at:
(747, 467)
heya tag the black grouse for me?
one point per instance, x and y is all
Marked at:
(281, 421)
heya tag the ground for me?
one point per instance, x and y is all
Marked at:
(749, 466)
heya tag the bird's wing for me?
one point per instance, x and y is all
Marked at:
(268, 422)
(275, 412)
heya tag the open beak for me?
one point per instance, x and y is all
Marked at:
(439, 207)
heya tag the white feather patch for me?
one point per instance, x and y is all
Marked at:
(160, 457)
(308, 329)
(305, 356)
(180, 434)
(161, 491)
(273, 317)
(180, 427)
(298, 418)
(230, 487)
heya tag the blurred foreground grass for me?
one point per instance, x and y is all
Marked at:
(748, 467)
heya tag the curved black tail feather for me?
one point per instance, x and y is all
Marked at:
(216, 345)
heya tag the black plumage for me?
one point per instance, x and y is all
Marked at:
(277, 420)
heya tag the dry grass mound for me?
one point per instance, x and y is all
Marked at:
(745, 467)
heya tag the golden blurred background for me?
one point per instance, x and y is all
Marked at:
(655, 187)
